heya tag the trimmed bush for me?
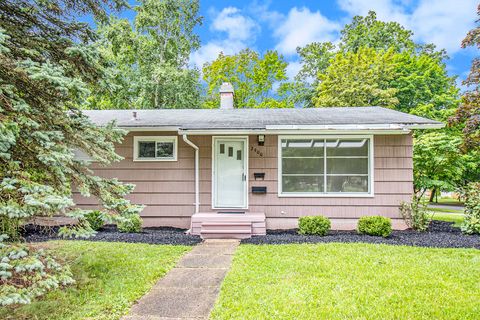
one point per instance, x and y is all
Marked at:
(95, 220)
(314, 225)
(132, 223)
(375, 226)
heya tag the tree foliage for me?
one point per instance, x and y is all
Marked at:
(438, 164)
(468, 113)
(367, 31)
(47, 64)
(359, 78)
(415, 78)
(253, 78)
(149, 58)
(471, 224)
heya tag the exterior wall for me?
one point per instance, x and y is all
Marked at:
(167, 187)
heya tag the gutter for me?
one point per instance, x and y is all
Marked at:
(197, 169)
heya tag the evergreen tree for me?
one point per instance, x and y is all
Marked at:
(47, 63)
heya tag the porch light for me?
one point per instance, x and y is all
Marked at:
(261, 139)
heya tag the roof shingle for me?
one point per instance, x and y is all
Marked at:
(189, 119)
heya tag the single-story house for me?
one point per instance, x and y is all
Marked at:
(223, 172)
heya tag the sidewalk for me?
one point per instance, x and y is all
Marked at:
(190, 290)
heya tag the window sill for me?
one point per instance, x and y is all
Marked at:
(153, 160)
(326, 195)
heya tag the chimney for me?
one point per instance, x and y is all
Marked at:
(226, 96)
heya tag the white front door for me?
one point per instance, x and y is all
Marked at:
(229, 172)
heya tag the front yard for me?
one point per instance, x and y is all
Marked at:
(110, 277)
(350, 281)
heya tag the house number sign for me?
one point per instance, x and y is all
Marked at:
(256, 150)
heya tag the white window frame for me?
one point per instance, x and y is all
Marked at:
(371, 170)
(156, 139)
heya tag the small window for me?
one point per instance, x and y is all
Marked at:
(158, 148)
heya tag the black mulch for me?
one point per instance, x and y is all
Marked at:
(163, 235)
(440, 234)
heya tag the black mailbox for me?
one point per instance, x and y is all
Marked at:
(259, 190)
(259, 175)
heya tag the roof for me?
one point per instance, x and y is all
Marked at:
(263, 119)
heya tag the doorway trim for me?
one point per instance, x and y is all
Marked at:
(245, 161)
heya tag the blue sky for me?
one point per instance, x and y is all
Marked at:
(230, 26)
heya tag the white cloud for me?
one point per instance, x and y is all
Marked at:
(302, 26)
(236, 25)
(240, 31)
(442, 22)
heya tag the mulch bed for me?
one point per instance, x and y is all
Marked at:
(109, 233)
(439, 235)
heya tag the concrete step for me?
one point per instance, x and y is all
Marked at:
(220, 231)
(225, 235)
(215, 225)
(226, 226)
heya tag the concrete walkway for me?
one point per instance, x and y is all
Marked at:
(189, 290)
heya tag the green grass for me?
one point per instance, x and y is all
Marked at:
(449, 217)
(350, 281)
(452, 201)
(110, 277)
(445, 210)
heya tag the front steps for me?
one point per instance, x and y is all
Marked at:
(212, 225)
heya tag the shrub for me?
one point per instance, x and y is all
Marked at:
(471, 223)
(314, 225)
(95, 219)
(375, 226)
(132, 223)
(28, 272)
(415, 215)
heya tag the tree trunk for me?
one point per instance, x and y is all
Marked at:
(432, 194)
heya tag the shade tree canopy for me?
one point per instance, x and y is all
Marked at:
(149, 57)
(258, 81)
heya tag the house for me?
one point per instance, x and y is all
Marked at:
(227, 171)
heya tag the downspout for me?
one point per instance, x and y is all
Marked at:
(197, 183)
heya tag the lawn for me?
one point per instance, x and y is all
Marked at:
(350, 281)
(449, 201)
(449, 217)
(444, 210)
(110, 277)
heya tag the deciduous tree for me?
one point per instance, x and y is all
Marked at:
(253, 78)
(468, 113)
(359, 78)
(149, 57)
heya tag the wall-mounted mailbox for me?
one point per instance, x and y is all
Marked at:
(259, 175)
(259, 190)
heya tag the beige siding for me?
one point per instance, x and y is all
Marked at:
(167, 188)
